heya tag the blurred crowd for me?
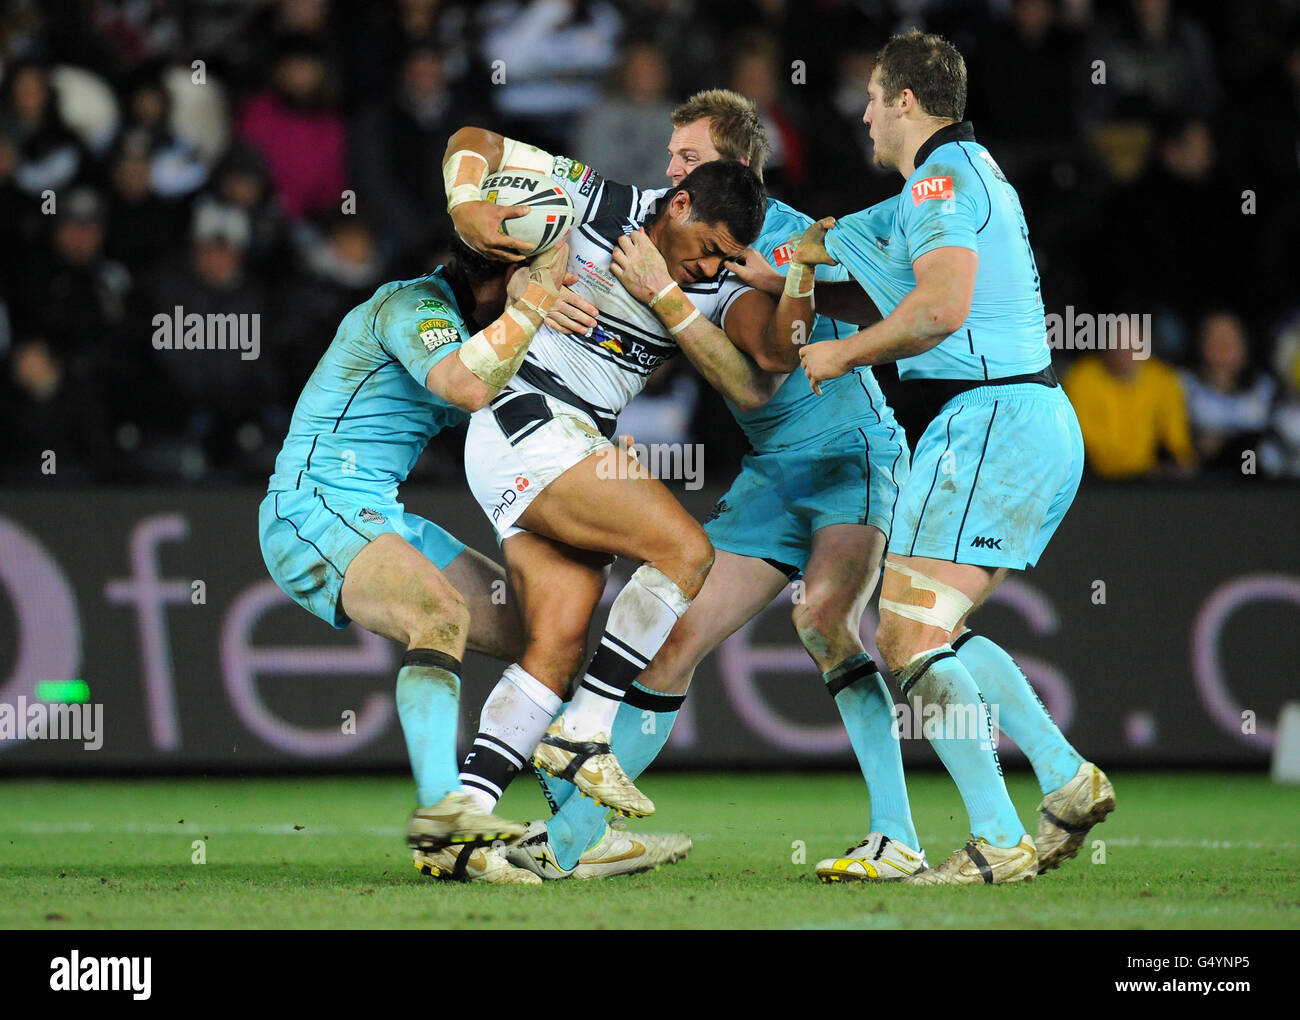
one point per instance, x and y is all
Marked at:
(281, 159)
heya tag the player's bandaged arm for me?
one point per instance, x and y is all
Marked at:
(472, 154)
(488, 360)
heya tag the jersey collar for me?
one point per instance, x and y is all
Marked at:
(962, 132)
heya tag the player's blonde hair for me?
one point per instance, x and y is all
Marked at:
(735, 127)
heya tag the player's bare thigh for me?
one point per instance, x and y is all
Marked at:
(558, 588)
(899, 637)
(737, 589)
(392, 589)
(609, 503)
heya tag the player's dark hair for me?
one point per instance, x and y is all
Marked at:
(930, 66)
(470, 267)
(727, 192)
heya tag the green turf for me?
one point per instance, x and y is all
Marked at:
(1183, 851)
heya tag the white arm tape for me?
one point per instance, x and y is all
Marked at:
(466, 191)
(674, 330)
(794, 280)
(480, 356)
(522, 156)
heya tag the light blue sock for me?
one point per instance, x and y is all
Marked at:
(428, 702)
(641, 728)
(868, 713)
(1021, 714)
(957, 708)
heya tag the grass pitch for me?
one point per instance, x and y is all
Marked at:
(1191, 850)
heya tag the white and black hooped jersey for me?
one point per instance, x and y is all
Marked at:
(602, 372)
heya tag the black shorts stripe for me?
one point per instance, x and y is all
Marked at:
(862, 382)
(307, 540)
(893, 474)
(947, 441)
(345, 521)
(521, 416)
(307, 466)
(866, 459)
(975, 483)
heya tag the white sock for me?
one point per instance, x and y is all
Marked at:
(513, 720)
(639, 623)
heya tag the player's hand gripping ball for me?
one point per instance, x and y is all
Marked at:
(548, 208)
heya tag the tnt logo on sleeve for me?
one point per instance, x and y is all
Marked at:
(931, 187)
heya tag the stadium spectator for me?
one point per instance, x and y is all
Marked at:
(1228, 406)
(1183, 178)
(336, 275)
(73, 294)
(175, 166)
(392, 31)
(50, 409)
(1130, 412)
(1022, 75)
(1157, 61)
(553, 55)
(756, 73)
(690, 38)
(395, 142)
(259, 33)
(294, 125)
(223, 404)
(1279, 453)
(623, 137)
(50, 155)
(143, 226)
(844, 175)
(241, 180)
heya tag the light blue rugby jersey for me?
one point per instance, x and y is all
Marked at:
(795, 415)
(365, 415)
(958, 197)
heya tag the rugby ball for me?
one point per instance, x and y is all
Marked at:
(550, 210)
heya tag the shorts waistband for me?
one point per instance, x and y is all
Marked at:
(1019, 392)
